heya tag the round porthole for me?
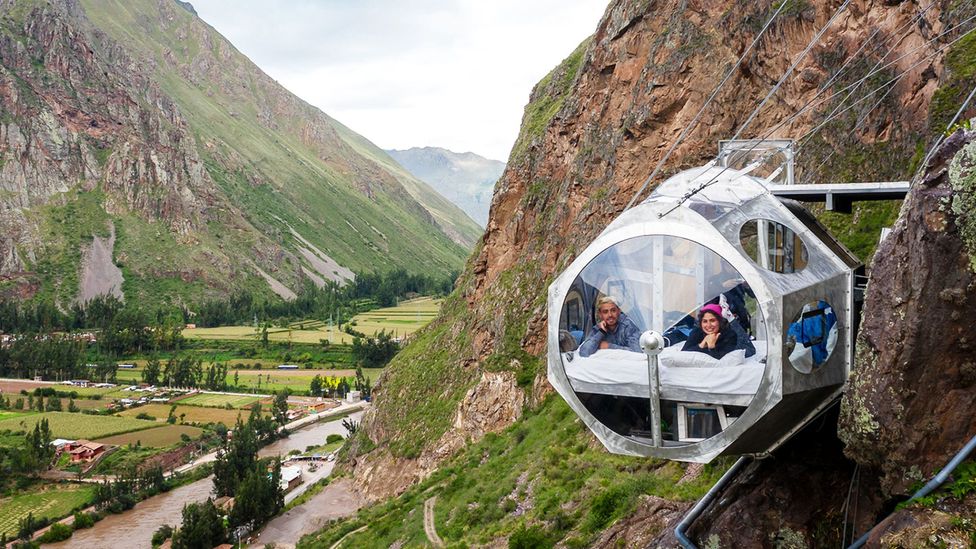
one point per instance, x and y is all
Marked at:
(712, 363)
(773, 246)
(812, 336)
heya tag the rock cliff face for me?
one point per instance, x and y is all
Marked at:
(140, 116)
(594, 129)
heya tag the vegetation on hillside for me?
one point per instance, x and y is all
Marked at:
(543, 479)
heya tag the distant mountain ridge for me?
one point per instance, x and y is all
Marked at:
(136, 118)
(466, 179)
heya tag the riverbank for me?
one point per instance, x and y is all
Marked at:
(134, 528)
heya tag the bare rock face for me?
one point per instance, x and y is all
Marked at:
(490, 406)
(646, 525)
(910, 405)
(493, 404)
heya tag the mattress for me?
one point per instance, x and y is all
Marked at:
(685, 376)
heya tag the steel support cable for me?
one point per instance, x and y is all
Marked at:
(881, 60)
(901, 37)
(837, 74)
(762, 103)
(806, 136)
(857, 126)
(790, 70)
(701, 111)
(813, 102)
(886, 65)
(928, 155)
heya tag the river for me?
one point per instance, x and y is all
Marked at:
(135, 527)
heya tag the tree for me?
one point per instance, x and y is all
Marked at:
(259, 496)
(280, 407)
(38, 452)
(202, 527)
(236, 459)
(151, 374)
(315, 387)
(264, 336)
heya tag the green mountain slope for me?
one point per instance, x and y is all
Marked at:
(213, 176)
(467, 178)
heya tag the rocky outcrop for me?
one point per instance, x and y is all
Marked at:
(100, 276)
(493, 404)
(910, 403)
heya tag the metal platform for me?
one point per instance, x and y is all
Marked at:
(840, 196)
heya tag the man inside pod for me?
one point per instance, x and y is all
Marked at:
(614, 331)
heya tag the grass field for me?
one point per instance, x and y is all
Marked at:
(194, 414)
(5, 414)
(219, 401)
(76, 426)
(296, 380)
(404, 319)
(55, 502)
(158, 437)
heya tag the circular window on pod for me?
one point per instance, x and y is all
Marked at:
(811, 336)
(773, 246)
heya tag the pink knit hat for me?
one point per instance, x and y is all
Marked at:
(712, 308)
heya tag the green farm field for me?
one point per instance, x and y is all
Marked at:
(219, 401)
(404, 319)
(194, 414)
(54, 502)
(296, 380)
(157, 437)
(78, 426)
(10, 415)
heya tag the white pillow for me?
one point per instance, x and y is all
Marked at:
(694, 359)
(689, 359)
(733, 358)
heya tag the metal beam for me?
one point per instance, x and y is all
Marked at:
(839, 196)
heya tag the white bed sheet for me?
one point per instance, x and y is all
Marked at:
(624, 373)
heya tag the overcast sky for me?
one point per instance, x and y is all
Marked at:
(452, 73)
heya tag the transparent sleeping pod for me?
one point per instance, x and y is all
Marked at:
(661, 283)
(761, 271)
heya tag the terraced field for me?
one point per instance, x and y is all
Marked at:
(404, 319)
(55, 502)
(219, 401)
(193, 414)
(157, 437)
(76, 426)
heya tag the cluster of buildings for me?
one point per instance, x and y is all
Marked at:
(81, 451)
(7, 340)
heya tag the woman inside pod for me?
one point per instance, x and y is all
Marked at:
(715, 336)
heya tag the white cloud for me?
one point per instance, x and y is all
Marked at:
(451, 74)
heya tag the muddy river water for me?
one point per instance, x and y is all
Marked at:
(135, 528)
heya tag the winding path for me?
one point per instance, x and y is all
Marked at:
(429, 527)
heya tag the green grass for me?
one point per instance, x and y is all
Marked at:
(545, 464)
(125, 458)
(548, 97)
(193, 414)
(219, 401)
(157, 437)
(68, 226)
(77, 426)
(4, 414)
(403, 320)
(48, 501)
